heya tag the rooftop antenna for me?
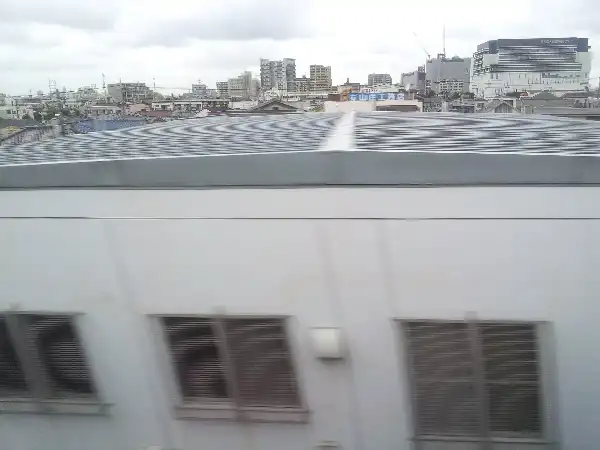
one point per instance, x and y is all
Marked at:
(444, 41)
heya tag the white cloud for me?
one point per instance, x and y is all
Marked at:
(180, 41)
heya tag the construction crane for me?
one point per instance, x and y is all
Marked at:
(421, 45)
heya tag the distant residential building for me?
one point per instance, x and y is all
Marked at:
(379, 78)
(302, 84)
(129, 92)
(447, 75)
(9, 108)
(222, 89)
(278, 74)
(414, 80)
(241, 87)
(505, 66)
(320, 77)
(199, 90)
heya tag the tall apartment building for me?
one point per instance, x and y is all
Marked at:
(241, 87)
(503, 66)
(320, 77)
(278, 74)
(222, 89)
(447, 75)
(376, 79)
(129, 92)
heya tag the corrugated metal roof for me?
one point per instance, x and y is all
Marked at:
(315, 150)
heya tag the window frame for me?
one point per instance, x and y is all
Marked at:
(37, 402)
(548, 397)
(231, 409)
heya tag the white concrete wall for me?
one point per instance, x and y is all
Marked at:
(366, 106)
(355, 258)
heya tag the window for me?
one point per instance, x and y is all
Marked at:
(475, 380)
(43, 367)
(241, 367)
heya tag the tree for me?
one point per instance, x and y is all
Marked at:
(37, 116)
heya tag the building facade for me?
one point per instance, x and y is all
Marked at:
(199, 90)
(222, 89)
(379, 79)
(279, 75)
(447, 75)
(450, 324)
(414, 80)
(505, 66)
(320, 77)
(242, 86)
(418, 312)
(129, 92)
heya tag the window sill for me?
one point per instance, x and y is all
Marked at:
(69, 407)
(495, 439)
(228, 412)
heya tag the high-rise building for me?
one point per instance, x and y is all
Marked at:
(222, 89)
(447, 75)
(376, 79)
(278, 74)
(241, 86)
(320, 77)
(503, 66)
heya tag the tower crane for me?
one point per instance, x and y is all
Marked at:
(421, 45)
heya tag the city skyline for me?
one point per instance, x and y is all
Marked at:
(75, 43)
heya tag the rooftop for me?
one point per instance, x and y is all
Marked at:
(316, 150)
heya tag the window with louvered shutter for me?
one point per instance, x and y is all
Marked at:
(476, 380)
(197, 359)
(512, 378)
(58, 355)
(444, 379)
(262, 363)
(243, 361)
(45, 350)
(12, 377)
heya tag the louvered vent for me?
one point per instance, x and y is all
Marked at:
(444, 384)
(60, 358)
(12, 377)
(197, 360)
(512, 378)
(474, 379)
(262, 362)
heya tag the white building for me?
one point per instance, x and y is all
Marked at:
(216, 284)
(9, 107)
(530, 65)
(279, 75)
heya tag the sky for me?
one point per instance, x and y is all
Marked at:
(177, 42)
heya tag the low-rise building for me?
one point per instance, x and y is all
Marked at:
(129, 92)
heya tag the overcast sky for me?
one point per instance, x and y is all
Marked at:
(179, 41)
